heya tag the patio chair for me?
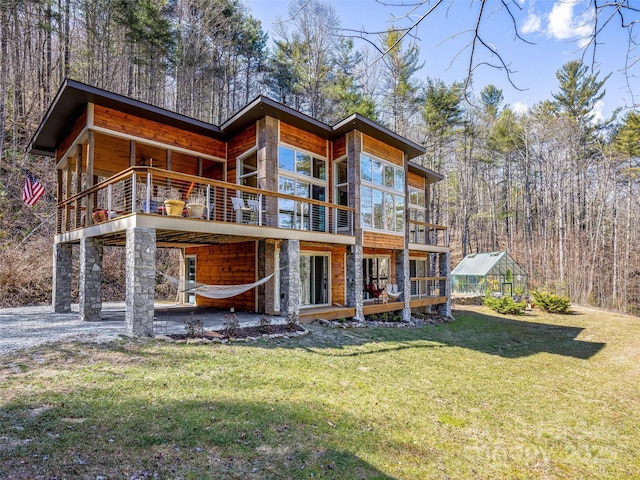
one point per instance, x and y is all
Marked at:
(256, 211)
(240, 208)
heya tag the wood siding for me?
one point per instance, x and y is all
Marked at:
(337, 265)
(158, 132)
(237, 146)
(339, 147)
(230, 264)
(299, 138)
(381, 150)
(111, 154)
(74, 131)
(416, 181)
(382, 240)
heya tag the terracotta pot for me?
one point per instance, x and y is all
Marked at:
(174, 207)
(196, 210)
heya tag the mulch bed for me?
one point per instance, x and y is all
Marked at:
(243, 332)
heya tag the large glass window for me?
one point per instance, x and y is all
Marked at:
(417, 204)
(417, 212)
(366, 209)
(301, 163)
(286, 159)
(303, 176)
(341, 195)
(382, 203)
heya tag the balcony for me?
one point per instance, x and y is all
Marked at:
(428, 236)
(172, 201)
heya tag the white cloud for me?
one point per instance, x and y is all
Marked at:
(520, 107)
(565, 24)
(531, 24)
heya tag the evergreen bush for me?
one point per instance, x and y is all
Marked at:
(552, 303)
(505, 305)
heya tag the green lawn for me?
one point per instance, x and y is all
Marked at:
(537, 396)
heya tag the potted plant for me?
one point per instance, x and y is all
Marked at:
(174, 205)
(196, 204)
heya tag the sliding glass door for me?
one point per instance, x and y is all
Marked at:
(314, 280)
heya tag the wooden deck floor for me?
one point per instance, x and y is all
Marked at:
(336, 312)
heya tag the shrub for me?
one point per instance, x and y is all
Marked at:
(505, 305)
(194, 326)
(265, 324)
(231, 325)
(552, 303)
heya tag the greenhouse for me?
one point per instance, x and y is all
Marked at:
(487, 273)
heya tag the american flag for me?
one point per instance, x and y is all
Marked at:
(32, 190)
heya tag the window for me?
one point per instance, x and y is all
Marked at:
(314, 279)
(417, 205)
(303, 176)
(301, 163)
(190, 278)
(417, 212)
(375, 271)
(382, 202)
(418, 272)
(341, 195)
(248, 171)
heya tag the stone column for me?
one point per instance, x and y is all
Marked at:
(141, 279)
(444, 263)
(267, 156)
(355, 280)
(61, 292)
(90, 279)
(403, 277)
(290, 277)
(266, 266)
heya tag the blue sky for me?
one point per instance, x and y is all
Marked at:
(557, 29)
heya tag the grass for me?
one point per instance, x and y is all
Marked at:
(534, 396)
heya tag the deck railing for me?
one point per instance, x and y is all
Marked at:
(422, 287)
(147, 190)
(423, 233)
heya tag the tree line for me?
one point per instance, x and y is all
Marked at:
(554, 186)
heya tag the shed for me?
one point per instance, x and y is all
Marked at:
(485, 273)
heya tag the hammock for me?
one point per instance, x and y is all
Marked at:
(220, 291)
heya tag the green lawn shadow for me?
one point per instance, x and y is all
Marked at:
(92, 433)
(494, 335)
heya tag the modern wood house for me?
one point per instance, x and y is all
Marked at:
(339, 212)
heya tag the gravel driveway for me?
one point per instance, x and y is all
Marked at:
(24, 327)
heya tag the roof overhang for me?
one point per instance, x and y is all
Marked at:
(371, 128)
(429, 174)
(73, 97)
(263, 106)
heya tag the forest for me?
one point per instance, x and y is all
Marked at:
(554, 186)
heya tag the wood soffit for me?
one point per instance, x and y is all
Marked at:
(73, 96)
